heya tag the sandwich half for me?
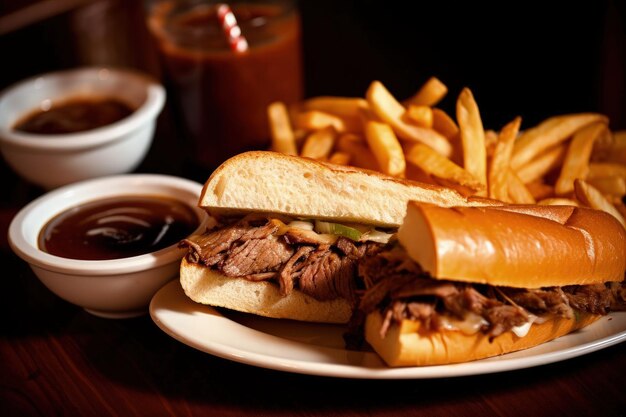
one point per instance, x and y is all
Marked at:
(289, 233)
(466, 283)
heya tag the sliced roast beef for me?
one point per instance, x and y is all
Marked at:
(256, 255)
(209, 249)
(258, 248)
(318, 273)
(293, 265)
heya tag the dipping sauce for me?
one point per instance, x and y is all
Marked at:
(75, 115)
(118, 228)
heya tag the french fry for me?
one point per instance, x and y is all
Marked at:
(319, 144)
(386, 148)
(420, 115)
(558, 201)
(389, 110)
(300, 136)
(592, 197)
(339, 106)
(491, 138)
(576, 162)
(604, 146)
(283, 139)
(614, 186)
(340, 158)
(472, 136)
(617, 151)
(518, 192)
(431, 93)
(360, 155)
(540, 166)
(441, 167)
(606, 169)
(414, 173)
(540, 190)
(548, 134)
(315, 120)
(499, 164)
(444, 124)
(416, 140)
(352, 138)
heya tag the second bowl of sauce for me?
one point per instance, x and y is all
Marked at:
(120, 227)
(73, 115)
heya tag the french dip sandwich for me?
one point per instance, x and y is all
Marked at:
(467, 283)
(290, 232)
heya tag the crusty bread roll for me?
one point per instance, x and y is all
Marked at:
(207, 286)
(260, 181)
(404, 345)
(277, 184)
(515, 246)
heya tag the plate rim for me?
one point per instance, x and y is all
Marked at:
(497, 364)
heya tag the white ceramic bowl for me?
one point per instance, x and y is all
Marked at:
(54, 160)
(110, 288)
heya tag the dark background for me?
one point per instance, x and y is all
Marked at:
(533, 59)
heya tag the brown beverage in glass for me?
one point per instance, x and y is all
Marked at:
(221, 95)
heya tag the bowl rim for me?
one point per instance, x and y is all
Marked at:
(34, 256)
(149, 109)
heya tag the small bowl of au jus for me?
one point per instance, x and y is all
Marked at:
(108, 244)
(82, 123)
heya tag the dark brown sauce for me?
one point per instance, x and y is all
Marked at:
(75, 115)
(118, 228)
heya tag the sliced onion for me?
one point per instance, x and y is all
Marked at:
(377, 236)
(301, 224)
(321, 238)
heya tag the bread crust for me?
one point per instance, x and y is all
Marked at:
(270, 182)
(516, 246)
(404, 345)
(207, 286)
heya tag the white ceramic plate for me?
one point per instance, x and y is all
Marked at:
(318, 349)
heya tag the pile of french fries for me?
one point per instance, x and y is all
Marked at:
(572, 159)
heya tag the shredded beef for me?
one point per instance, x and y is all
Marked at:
(503, 318)
(542, 301)
(593, 298)
(423, 311)
(252, 248)
(618, 291)
(426, 287)
(374, 296)
(401, 291)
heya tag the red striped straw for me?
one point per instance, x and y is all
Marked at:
(226, 17)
